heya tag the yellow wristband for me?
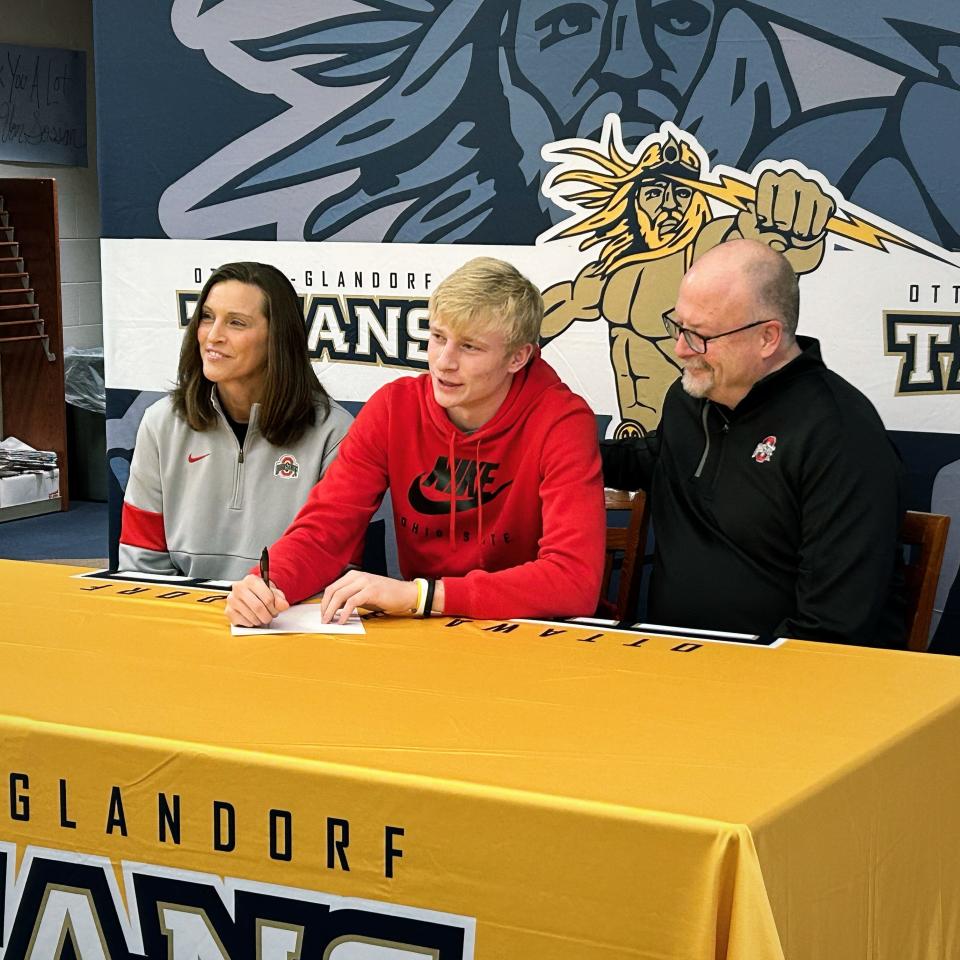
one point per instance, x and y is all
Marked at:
(421, 596)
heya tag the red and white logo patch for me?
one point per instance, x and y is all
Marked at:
(765, 450)
(286, 467)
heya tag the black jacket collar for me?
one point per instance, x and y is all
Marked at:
(772, 383)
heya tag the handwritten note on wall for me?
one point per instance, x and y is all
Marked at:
(43, 105)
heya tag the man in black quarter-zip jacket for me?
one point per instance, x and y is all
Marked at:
(776, 495)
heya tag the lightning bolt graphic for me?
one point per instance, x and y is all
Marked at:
(740, 195)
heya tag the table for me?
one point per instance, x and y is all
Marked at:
(462, 788)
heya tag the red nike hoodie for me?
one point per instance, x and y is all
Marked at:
(515, 529)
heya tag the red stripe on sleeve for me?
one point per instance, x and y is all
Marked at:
(142, 528)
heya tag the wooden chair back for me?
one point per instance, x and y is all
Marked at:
(926, 535)
(628, 544)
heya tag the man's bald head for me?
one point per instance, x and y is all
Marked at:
(764, 275)
(740, 299)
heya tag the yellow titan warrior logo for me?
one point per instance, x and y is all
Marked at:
(648, 215)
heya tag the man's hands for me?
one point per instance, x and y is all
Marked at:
(358, 589)
(254, 604)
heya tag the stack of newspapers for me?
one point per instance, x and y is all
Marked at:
(26, 475)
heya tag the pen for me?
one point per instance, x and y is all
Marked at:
(265, 566)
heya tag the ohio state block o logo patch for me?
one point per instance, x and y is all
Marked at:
(286, 467)
(765, 450)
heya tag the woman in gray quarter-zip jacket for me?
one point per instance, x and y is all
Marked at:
(224, 462)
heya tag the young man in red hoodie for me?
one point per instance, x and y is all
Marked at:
(493, 468)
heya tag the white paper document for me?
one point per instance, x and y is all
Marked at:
(303, 618)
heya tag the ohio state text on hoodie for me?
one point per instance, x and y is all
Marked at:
(511, 516)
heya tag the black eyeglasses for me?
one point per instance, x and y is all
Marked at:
(697, 342)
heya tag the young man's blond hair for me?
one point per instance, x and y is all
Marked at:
(488, 294)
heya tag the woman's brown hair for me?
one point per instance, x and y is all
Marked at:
(291, 388)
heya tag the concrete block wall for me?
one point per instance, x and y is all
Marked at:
(68, 24)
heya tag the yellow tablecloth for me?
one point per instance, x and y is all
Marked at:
(542, 791)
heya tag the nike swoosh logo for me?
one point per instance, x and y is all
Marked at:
(424, 504)
(192, 459)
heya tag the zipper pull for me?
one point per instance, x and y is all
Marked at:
(240, 458)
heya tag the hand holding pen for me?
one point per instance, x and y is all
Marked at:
(254, 601)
